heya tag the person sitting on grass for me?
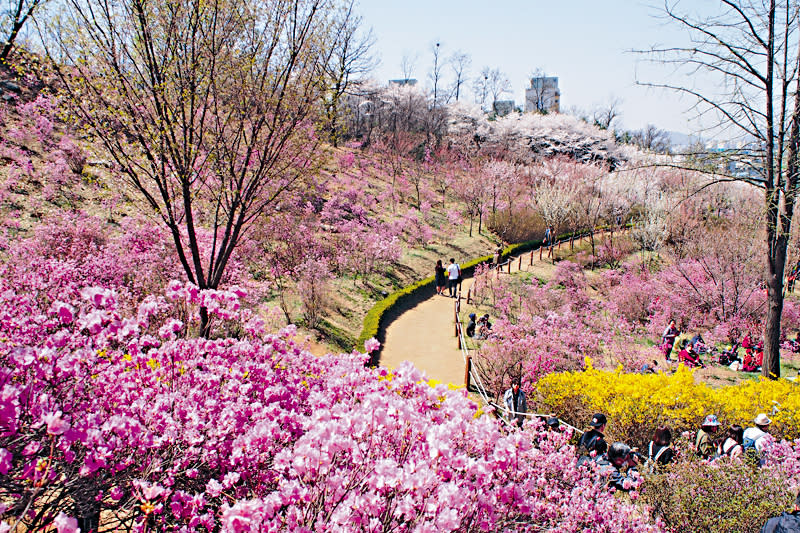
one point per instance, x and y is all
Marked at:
(484, 327)
(471, 325)
(619, 457)
(689, 357)
(753, 358)
(704, 444)
(698, 344)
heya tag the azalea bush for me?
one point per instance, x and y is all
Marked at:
(116, 421)
(636, 404)
(549, 328)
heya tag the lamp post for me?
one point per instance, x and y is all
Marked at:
(435, 74)
(485, 87)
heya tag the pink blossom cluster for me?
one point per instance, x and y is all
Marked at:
(113, 417)
(550, 328)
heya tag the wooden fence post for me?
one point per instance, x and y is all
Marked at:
(519, 266)
(531, 258)
(469, 295)
(466, 371)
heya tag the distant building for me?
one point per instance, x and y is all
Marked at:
(543, 95)
(407, 81)
(503, 107)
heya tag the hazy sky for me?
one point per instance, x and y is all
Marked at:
(585, 43)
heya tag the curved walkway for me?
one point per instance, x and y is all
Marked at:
(425, 333)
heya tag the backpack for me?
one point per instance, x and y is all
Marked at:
(651, 465)
(750, 452)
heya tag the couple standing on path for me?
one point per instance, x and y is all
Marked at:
(449, 277)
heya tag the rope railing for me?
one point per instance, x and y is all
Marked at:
(471, 376)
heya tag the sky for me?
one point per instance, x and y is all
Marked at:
(585, 43)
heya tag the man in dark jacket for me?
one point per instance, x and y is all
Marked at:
(785, 523)
(611, 465)
(593, 440)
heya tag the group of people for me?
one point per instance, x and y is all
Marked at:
(480, 328)
(619, 463)
(448, 278)
(735, 441)
(691, 350)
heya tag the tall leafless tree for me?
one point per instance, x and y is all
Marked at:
(748, 53)
(206, 107)
(350, 62)
(497, 83)
(436, 73)
(459, 63)
(605, 115)
(651, 138)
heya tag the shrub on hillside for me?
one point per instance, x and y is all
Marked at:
(728, 496)
(117, 420)
(638, 403)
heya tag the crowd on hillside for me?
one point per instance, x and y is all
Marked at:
(692, 351)
(618, 465)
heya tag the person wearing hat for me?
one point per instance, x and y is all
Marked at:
(619, 456)
(786, 522)
(704, 445)
(754, 437)
(516, 404)
(471, 325)
(552, 423)
(593, 440)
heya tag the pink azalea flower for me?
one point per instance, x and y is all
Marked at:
(371, 344)
(55, 424)
(66, 524)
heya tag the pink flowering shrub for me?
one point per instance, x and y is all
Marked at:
(115, 417)
(550, 328)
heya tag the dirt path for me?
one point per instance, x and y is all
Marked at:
(425, 334)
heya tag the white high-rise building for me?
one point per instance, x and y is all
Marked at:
(543, 95)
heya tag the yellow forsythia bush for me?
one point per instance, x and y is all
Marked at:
(636, 404)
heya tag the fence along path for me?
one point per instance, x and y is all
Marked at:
(430, 336)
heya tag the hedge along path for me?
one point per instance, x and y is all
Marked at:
(423, 331)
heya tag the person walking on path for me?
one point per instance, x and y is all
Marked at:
(516, 403)
(786, 522)
(441, 280)
(453, 276)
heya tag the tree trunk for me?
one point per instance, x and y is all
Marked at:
(771, 365)
(205, 323)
